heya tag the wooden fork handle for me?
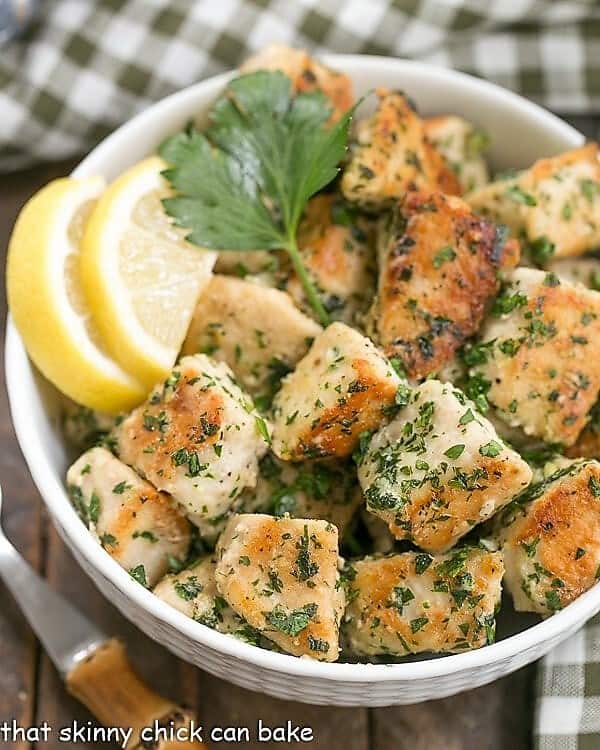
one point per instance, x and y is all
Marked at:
(107, 685)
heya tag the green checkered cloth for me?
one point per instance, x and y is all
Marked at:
(85, 66)
(567, 715)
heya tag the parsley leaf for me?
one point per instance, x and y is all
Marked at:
(293, 622)
(244, 183)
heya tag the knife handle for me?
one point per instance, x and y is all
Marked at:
(107, 685)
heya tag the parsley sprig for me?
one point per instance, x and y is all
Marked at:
(243, 184)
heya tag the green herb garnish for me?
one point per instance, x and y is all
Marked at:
(244, 183)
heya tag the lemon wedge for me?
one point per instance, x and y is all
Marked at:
(47, 303)
(141, 278)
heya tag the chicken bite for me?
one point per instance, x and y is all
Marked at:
(140, 528)
(336, 243)
(462, 145)
(556, 201)
(342, 387)
(193, 592)
(413, 602)
(438, 469)
(196, 437)
(550, 539)
(257, 331)
(306, 74)
(438, 273)
(393, 156)
(280, 575)
(326, 490)
(538, 355)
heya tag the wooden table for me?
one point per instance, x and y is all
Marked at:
(491, 718)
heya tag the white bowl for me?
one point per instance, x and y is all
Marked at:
(521, 132)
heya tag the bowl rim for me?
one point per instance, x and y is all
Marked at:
(19, 374)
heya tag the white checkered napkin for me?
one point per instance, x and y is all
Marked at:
(568, 694)
(85, 66)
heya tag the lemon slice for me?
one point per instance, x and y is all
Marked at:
(141, 278)
(47, 303)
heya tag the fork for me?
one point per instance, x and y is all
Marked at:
(94, 667)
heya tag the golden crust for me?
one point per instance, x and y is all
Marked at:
(280, 574)
(341, 388)
(412, 602)
(542, 361)
(196, 437)
(552, 547)
(394, 156)
(438, 273)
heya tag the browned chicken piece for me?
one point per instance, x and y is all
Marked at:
(393, 156)
(462, 145)
(550, 539)
(337, 246)
(257, 331)
(438, 273)
(341, 388)
(198, 438)
(556, 201)
(281, 576)
(438, 469)
(413, 602)
(141, 528)
(326, 490)
(540, 347)
(306, 74)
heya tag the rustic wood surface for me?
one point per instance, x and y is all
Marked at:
(491, 718)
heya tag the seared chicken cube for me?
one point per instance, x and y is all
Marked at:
(196, 437)
(336, 243)
(306, 74)
(141, 528)
(557, 201)
(194, 593)
(326, 490)
(413, 602)
(257, 331)
(393, 156)
(439, 268)
(281, 576)
(342, 387)
(550, 539)
(539, 355)
(438, 469)
(462, 145)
